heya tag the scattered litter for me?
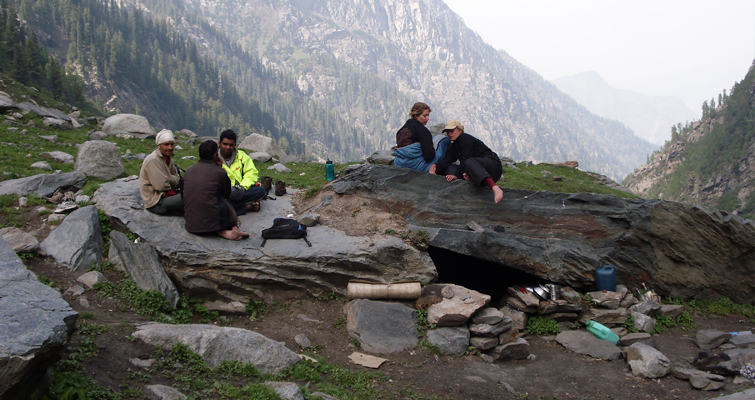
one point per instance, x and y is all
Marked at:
(308, 358)
(366, 360)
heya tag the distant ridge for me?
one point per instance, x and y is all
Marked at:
(650, 117)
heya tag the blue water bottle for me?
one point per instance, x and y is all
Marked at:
(605, 278)
(330, 172)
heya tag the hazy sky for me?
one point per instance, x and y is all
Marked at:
(688, 48)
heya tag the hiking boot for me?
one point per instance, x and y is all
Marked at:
(267, 183)
(280, 188)
(56, 197)
(68, 204)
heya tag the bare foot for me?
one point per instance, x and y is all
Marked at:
(498, 192)
(242, 234)
(466, 178)
(230, 234)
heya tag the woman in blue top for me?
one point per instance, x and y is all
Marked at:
(416, 147)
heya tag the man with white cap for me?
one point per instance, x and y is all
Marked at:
(477, 163)
(158, 178)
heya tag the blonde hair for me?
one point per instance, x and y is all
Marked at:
(417, 109)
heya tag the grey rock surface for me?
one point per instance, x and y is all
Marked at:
(35, 324)
(77, 242)
(519, 317)
(142, 263)
(450, 340)
(642, 322)
(19, 241)
(457, 305)
(283, 269)
(383, 157)
(743, 341)
(309, 220)
(43, 185)
(707, 339)
(260, 157)
(491, 330)
(280, 168)
(382, 327)
(633, 338)
(585, 343)
(483, 343)
(259, 143)
(216, 344)
(649, 308)
(517, 350)
(748, 394)
(563, 237)
(43, 111)
(302, 340)
(671, 310)
(128, 124)
(99, 159)
(6, 103)
(286, 390)
(58, 156)
(606, 317)
(166, 392)
(647, 362)
(57, 123)
(607, 299)
(41, 165)
(91, 278)
(487, 315)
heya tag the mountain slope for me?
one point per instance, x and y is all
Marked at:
(419, 50)
(710, 161)
(650, 117)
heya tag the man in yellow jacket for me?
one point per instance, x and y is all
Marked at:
(245, 195)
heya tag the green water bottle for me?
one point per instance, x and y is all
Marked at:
(330, 172)
(602, 332)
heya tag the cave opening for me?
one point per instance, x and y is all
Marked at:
(484, 276)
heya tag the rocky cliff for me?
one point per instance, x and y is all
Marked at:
(369, 60)
(709, 162)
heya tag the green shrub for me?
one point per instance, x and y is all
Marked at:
(541, 326)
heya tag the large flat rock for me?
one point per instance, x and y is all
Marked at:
(43, 185)
(35, 324)
(224, 271)
(681, 249)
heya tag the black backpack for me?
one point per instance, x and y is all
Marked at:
(285, 228)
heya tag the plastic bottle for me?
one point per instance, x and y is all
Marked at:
(602, 332)
(605, 278)
(330, 172)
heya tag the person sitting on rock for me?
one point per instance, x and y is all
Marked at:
(417, 148)
(159, 178)
(246, 195)
(477, 163)
(205, 196)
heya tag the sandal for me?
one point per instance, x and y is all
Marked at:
(253, 206)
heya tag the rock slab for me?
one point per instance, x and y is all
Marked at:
(647, 362)
(585, 343)
(216, 344)
(35, 324)
(382, 327)
(99, 159)
(43, 185)
(77, 242)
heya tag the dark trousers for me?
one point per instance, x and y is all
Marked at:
(254, 193)
(477, 168)
(168, 205)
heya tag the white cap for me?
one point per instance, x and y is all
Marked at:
(163, 136)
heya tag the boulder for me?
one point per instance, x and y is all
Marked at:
(633, 338)
(488, 315)
(6, 103)
(260, 157)
(19, 241)
(607, 299)
(41, 165)
(585, 343)
(382, 327)
(647, 362)
(491, 330)
(517, 350)
(642, 322)
(606, 317)
(519, 317)
(383, 157)
(91, 278)
(289, 159)
(99, 159)
(77, 242)
(216, 344)
(748, 394)
(671, 310)
(42, 111)
(57, 123)
(142, 264)
(188, 133)
(649, 308)
(707, 339)
(280, 168)
(231, 271)
(58, 157)
(484, 343)
(456, 306)
(683, 249)
(35, 325)
(259, 143)
(166, 392)
(450, 340)
(746, 341)
(286, 390)
(128, 124)
(43, 185)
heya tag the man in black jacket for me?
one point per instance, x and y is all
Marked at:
(477, 163)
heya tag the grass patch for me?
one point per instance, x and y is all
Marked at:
(574, 181)
(541, 326)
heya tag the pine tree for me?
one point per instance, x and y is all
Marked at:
(55, 77)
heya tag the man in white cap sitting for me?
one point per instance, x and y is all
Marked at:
(158, 178)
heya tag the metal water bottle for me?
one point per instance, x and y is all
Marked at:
(330, 171)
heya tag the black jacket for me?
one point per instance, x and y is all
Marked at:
(412, 132)
(463, 148)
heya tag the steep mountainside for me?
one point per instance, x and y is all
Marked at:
(711, 161)
(370, 59)
(650, 117)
